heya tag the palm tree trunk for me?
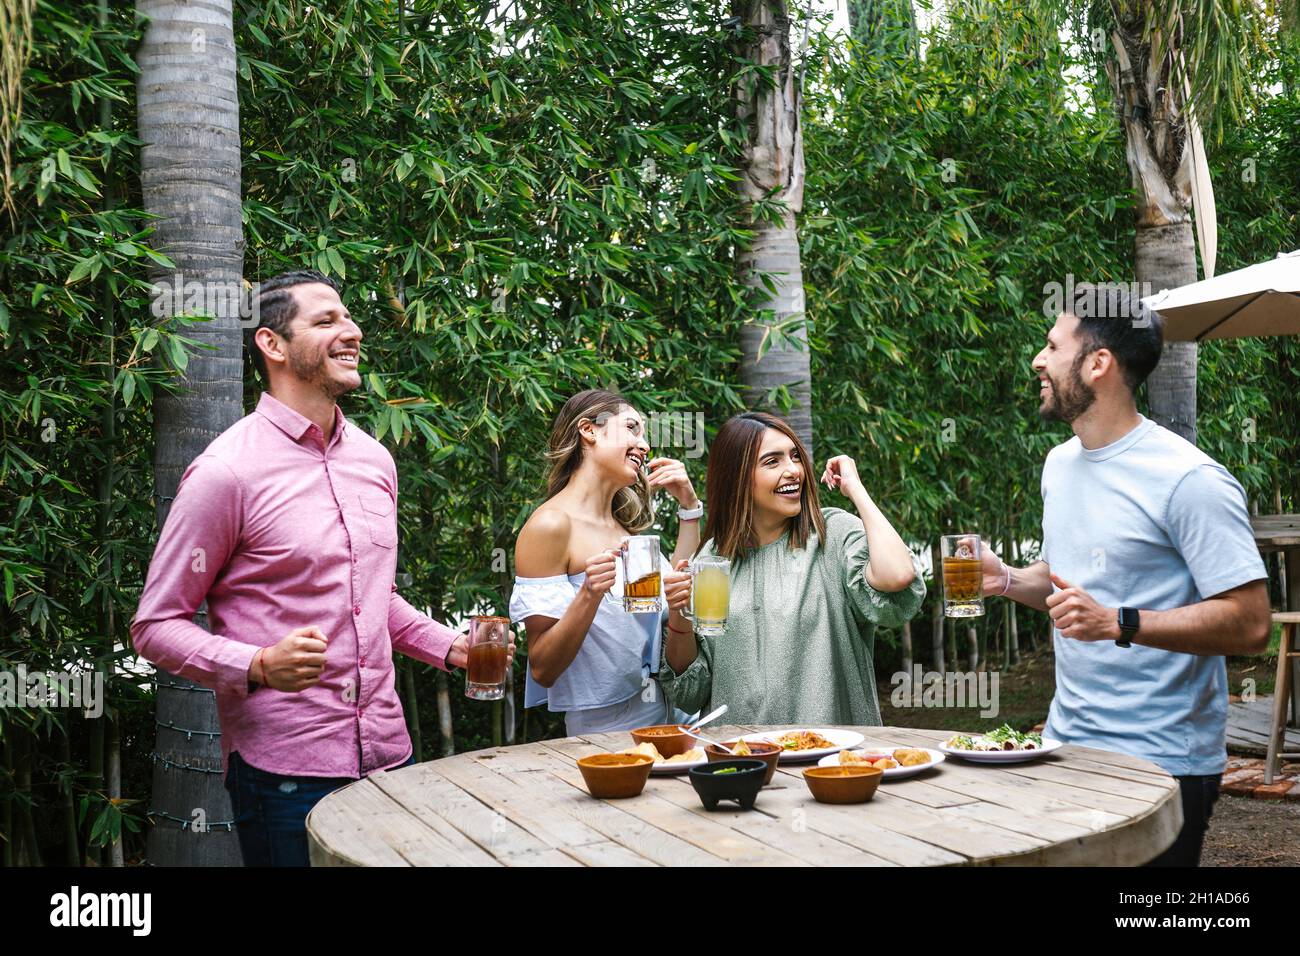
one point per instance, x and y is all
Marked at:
(774, 345)
(190, 178)
(1166, 259)
(1153, 113)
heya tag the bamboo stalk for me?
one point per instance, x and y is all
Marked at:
(7, 847)
(72, 852)
(412, 707)
(907, 648)
(444, 714)
(114, 756)
(936, 614)
(31, 850)
(1029, 631)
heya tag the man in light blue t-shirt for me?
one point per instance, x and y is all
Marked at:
(1150, 571)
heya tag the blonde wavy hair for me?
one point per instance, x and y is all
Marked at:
(631, 505)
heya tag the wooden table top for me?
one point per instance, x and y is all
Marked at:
(1276, 532)
(527, 806)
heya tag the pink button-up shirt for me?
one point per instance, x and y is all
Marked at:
(277, 532)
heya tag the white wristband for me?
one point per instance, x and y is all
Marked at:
(690, 514)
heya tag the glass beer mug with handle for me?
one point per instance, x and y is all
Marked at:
(710, 595)
(963, 576)
(642, 574)
(489, 656)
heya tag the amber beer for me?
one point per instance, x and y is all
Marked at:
(485, 677)
(963, 576)
(646, 587)
(642, 574)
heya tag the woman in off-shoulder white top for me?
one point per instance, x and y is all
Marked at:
(587, 657)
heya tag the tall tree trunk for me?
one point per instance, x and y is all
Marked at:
(774, 344)
(188, 118)
(1166, 258)
(1152, 107)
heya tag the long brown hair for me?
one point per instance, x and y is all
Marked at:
(733, 457)
(631, 505)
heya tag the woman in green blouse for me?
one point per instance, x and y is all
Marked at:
(809, 586)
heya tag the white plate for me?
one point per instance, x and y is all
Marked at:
(1002, 756)
(842, 739)
(896, 773)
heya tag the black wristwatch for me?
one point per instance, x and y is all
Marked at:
(1129, 622)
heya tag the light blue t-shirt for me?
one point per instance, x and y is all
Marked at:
(1151, 522)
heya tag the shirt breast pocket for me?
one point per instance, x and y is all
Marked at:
(380, 519)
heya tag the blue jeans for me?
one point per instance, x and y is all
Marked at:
(271, 811)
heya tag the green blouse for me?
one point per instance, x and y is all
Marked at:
(801, 629)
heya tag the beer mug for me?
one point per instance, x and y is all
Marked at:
(710, 595)
(963, 575)
(642, 574)
(489, 652)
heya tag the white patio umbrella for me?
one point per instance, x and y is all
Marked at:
(1262, 299)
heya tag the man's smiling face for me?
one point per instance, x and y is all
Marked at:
(326, 345)
(1063, 393)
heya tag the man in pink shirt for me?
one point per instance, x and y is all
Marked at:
(286, 526)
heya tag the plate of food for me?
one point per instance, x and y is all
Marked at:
(803, 744)
(897, 762)
(1004, 745)
(669, 765)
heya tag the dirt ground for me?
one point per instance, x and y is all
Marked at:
(1249, 832)
(1243, 831)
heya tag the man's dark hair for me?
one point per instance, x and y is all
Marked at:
(276, 308)
(1119, 322)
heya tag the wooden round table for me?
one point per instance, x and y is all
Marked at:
(527, 806)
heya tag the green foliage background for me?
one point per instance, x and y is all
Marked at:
(527, 203)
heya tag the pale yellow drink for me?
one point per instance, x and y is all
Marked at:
(710, 597)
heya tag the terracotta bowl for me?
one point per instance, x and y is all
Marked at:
(741, 782)
(768, 753)
(615, 776)
(842, 784)
(666, 738)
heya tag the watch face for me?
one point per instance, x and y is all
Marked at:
(1128, 617)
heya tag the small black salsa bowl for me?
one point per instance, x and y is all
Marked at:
(742, 784)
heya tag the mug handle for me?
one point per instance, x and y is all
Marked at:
(686, 611)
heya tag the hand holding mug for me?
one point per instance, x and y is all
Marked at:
(601, 572)
(677, 587)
